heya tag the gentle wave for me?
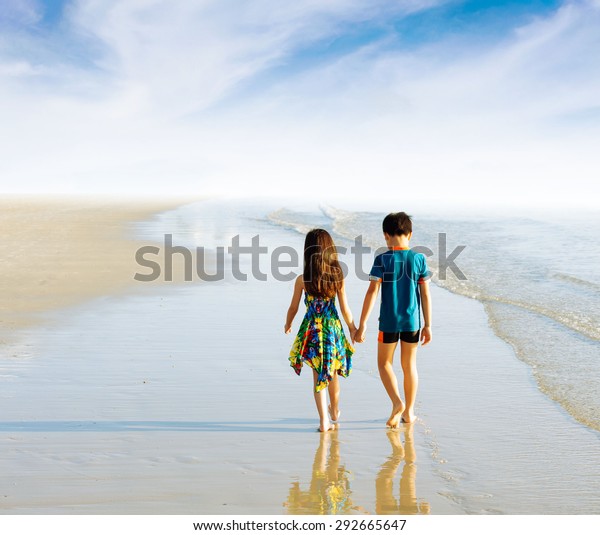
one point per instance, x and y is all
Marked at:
(576, 322)
(282, 218)
(577, 281)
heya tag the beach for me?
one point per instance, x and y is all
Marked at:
(58, 252)
(120, 396)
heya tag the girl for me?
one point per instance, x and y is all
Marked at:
(321, 342)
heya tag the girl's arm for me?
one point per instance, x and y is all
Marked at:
(291, 313)
(369, 303)
(426, 305)
(345, 310)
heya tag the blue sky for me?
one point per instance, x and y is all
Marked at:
(470, 100)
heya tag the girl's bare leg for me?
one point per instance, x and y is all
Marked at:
(334, 397)
(408, 356)
(321, 401)
(385, 360)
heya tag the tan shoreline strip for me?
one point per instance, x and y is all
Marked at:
(55, 253)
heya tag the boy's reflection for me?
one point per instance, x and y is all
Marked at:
(329, 491)
(407, 504)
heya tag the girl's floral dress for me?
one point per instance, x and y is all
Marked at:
(321, 342)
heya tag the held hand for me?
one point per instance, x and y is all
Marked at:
(360, 334)
(287, 328)
(425, 336)
(352, 329)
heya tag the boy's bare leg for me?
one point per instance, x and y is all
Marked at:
(408, 359)
(385, 360)
(321, 401)
(334, 397)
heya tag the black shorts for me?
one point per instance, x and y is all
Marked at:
(412, 337)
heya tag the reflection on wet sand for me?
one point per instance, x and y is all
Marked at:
(329, 492)
(407, 504)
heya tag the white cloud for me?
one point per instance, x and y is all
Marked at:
(186, 55)
(483, 124)
(441, 121)
(15, 69)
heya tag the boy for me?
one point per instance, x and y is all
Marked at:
(403, 277)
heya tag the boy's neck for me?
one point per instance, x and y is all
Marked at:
(398, 242)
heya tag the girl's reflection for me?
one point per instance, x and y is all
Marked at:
(407, 504)
(329, 491)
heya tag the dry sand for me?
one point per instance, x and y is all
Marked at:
(56, 253)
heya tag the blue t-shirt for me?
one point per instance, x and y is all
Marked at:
(400, 272)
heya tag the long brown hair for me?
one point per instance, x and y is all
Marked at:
(323, 275)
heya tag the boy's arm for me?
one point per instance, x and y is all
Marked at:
(369, 303)
(426, 305)
(292, 311)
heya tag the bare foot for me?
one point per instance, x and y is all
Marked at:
(394, 418)
(408, 417)
(334, 415)
(326, 426)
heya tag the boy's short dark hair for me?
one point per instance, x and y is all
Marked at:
(397, 224)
